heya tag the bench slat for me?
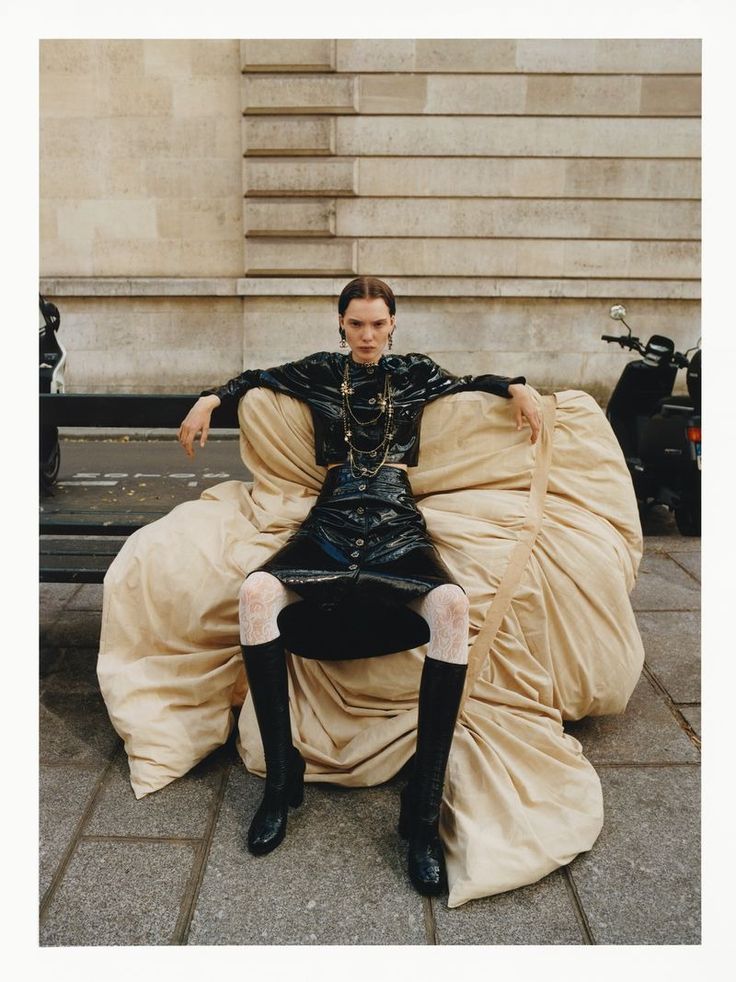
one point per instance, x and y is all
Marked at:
(106, 409)
(86, 574)
(79, 547)
(89, 528)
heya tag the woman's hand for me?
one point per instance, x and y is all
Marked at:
(524, 407)
(198, 418)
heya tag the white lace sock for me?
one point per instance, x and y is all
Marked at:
(262, 597)
(445, 609)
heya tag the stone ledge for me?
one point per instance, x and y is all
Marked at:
(406, 286)
(138, 286)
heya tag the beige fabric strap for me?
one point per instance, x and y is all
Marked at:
(519, 557)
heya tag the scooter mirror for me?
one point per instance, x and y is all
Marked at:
(617, 312)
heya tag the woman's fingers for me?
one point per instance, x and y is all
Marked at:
(531, 417)
(536, 425)
(196, 420)
(185, 437)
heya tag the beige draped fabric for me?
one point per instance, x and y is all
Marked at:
(544, 538)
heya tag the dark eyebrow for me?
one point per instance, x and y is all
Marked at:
(355, 320)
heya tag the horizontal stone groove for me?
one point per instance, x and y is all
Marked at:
(426, 158)
(395, 117)
(294, 70)
(665, 610)
(169, 839)
(345, 111)
(297, 235)
(484, 238)
(299, 154)
(262, 72)
(344, 193)
(311, 272)
(455, 197)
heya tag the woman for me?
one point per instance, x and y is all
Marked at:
(360, 577)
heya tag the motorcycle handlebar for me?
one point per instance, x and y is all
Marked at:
(624, 340)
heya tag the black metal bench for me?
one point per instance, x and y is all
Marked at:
(79, 547)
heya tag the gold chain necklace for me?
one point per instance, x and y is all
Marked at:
(387, 408)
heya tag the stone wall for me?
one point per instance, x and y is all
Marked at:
(207, 200)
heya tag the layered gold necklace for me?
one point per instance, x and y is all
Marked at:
(385, 402)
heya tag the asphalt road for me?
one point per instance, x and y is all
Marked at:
(141, 476)
(147, 478)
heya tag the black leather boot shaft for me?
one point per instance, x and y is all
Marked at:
(265, 666)
(440, 689)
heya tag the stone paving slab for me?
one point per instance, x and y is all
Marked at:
(119, 893)
(640, 883)
(75, 727)
(64, 792)
(541, 913)
(672, 543)
(72, 628)
(55, 596)
(337, 878)
(672, 651)
(647, 732)
(70, 669)
(180, 809)
(88, 597)
(664, 585)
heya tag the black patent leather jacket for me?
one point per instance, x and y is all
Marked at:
(415, 380)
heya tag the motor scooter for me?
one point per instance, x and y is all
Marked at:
(659, 433)
(52, 357)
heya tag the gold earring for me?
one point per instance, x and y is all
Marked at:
(343, 342)
(391, 339)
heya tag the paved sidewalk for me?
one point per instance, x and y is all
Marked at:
(171, 868)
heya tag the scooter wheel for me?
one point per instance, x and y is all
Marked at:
(687, 518)
(50, 469)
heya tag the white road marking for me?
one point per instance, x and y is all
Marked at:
(222, 474)
(191, 484)
(95, 484)
(146, 475)
(182, 475)
(85, 474)
(115, 474)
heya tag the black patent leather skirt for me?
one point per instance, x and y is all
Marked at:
(360, 555)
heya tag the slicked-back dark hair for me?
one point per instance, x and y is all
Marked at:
(364, 288)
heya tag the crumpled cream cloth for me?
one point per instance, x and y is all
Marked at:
(545, 539)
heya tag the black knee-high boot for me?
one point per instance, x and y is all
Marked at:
(440, 691)
(265, 666)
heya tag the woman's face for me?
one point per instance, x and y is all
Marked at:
(367, 325)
